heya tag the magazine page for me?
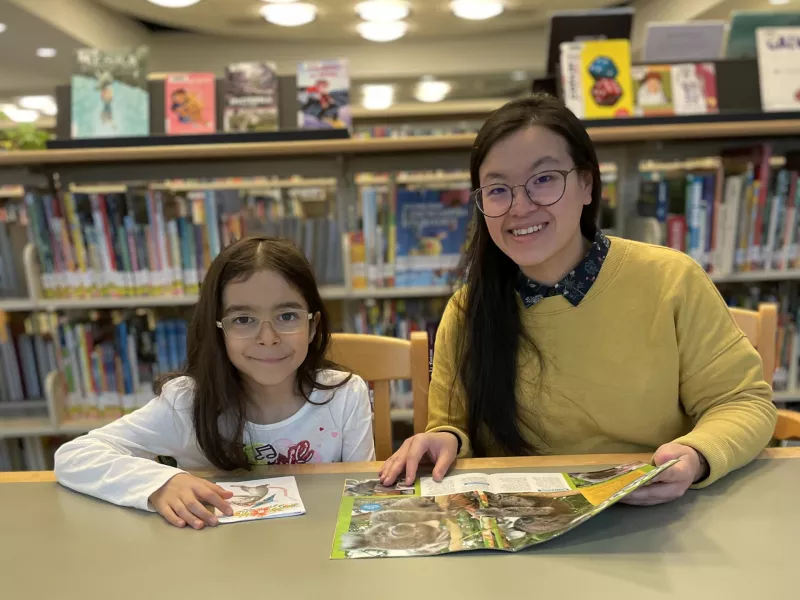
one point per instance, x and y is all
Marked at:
(262, 499)
(463, 513)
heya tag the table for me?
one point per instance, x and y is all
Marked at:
(740, 538)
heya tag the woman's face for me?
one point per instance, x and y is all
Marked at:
(557, 245)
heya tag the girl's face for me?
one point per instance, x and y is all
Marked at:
(547, 254)
(269, 358)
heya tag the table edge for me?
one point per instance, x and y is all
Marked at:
(461, 465)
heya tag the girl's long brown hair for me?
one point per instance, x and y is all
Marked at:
(219, 395)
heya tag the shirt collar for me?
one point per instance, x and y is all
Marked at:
(575, 285)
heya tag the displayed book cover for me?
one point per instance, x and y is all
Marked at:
(262, 499)
(190, 103)
(109, 93)
(474, 511)
(779, 68)
(431, 234)
(323, 95)
(251, 97)
(652, 85)
(745, 23)
(694, 89)
(682, 42)
(597, 78)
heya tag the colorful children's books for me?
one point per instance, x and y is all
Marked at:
(473, 511)
(262, 499)
(251, 97)
(679, 89)
(109, 93)
(190, 103)
(323, 95)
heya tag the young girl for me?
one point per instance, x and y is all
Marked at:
(257, 389)
(565, 341)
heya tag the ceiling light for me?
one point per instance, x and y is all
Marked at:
(383, 10)
(19, 115)
(174, 3)
(432, 90)
(44, 104)
(387, 31)
(46, 52)
(2, 27)
(377, 96)
(779, 2)
(289, 15)
(476, 10)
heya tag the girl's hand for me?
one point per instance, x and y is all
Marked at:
(180, 501)
(673, 482)
(441, 447)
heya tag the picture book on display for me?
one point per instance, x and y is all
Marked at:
(109, 93)
(473, 511)
(779, 68)
(262, 499)
(190, 103)
(251, 97)
(323, 95)
(680, 89)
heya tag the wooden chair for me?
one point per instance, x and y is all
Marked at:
(379, 360)
(761, 328)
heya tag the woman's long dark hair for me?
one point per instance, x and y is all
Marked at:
(491, 337)
(218, 387)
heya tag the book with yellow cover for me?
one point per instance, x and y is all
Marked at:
(597, 78)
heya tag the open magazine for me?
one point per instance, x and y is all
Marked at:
(473, 511)
(262, 499)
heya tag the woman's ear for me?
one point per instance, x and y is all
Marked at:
(312, 327)
(587, 184)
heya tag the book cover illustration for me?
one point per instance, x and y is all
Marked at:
(323, 95)
(742, 41)
(431, 235)
(262, 499)
(190, 103)
(652, 85)
(251, 97)
(109, 93)
(606, 74)
(474, 511)
(694, 89)
(779, 68)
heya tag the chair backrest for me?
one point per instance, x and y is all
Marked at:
(380, 360)
(761, 328)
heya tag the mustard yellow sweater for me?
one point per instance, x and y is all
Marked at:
(651, 355)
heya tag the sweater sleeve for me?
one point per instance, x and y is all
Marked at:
(722, 386)
(358, 444)
(446, 396)
(115, 463)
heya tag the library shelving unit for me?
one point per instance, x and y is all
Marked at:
(622, 142)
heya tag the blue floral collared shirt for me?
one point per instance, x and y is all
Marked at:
(575, 285)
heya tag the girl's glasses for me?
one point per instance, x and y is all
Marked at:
(241, 327)
(545, 189)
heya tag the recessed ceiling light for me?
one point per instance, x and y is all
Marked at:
(174, 3)
(44, 104)
(377, 96)
(383, 10)
(2, 27)
(431, 90)
(387, 31)
(46, 52)
(19, 115)
(289, 15)
(779, 2)
(476, 10)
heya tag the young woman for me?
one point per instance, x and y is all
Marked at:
(565, 341)
(257, 389)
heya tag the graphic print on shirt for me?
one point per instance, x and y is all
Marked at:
(267, 454)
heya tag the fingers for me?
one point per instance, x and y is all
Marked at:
(171, 517)
(657, 493)
(394, 466)
(184, 513)
(443, 462)
(210, 495)
(418, 448)
(221, 492)
(196, 507)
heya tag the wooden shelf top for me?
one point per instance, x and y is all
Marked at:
(627, 132)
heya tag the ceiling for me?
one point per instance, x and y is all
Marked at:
(336, 19)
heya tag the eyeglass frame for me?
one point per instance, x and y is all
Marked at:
(511, 188)
(220, 325)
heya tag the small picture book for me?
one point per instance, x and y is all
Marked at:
(323, 95)
(262, 499)
(251, 97)
(190, 103)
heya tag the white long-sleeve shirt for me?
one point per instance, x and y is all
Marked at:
(117, 462)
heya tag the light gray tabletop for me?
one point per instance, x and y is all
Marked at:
(738, 539)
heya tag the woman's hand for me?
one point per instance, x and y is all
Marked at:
(673, 482)
(441, 447)
(180, 501)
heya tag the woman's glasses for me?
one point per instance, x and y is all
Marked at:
(545, 189)
(242, 327)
